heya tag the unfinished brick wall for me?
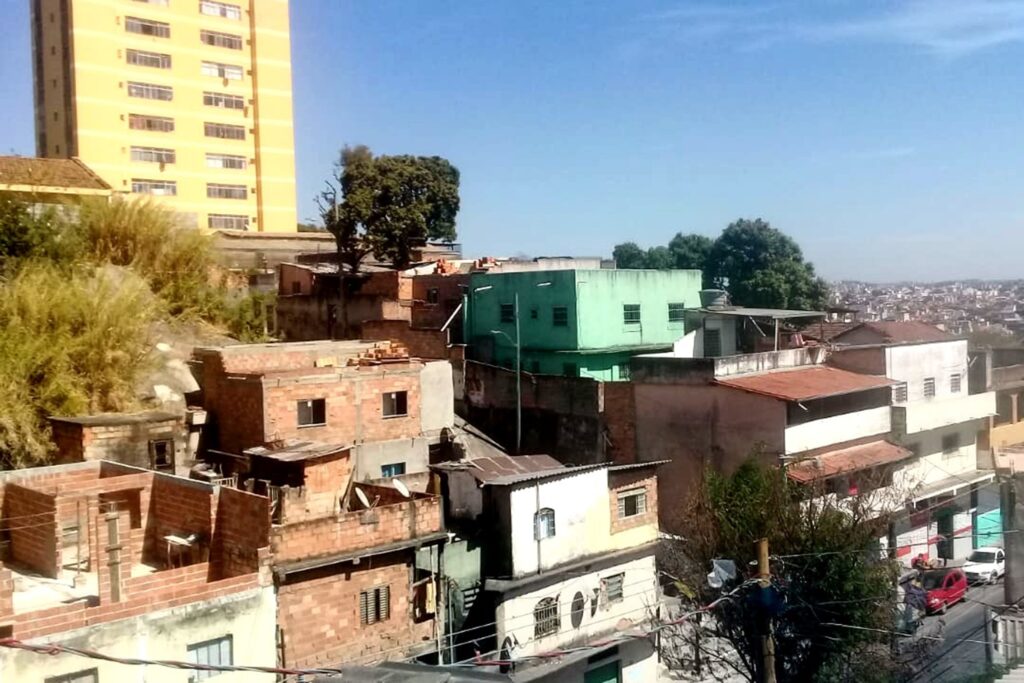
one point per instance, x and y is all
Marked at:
(421, 342)
(318, 614)
(236, 406)
(626, 481)
(31, 517)
(6, 595)
(619, 415)
(326, 480)
(243, 527)
(177, 507)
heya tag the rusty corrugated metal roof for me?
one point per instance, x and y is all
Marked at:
(803, 384)
(495, 467)
(845, 460)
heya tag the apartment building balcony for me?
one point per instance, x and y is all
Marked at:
(921, 416)
(837, 429)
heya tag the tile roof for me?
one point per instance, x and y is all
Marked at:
(844, 460)
(826, 331)
(805, 383)
(63, 173)
(902, 332)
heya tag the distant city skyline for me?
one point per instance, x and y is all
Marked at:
(880, 136)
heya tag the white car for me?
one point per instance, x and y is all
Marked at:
(985, 565)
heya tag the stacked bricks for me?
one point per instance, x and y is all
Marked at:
(420, 342)
(628, 480)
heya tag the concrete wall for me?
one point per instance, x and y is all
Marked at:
(371, 456)
(438, 405)
(637, 662)
(933, 465)
(535, 308)
(912, 363)
(837, 429)
(249, 617)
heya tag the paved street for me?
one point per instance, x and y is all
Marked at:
(956, 658)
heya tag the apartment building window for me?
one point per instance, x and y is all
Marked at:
(220, 9)
(228, 71)
(228, 40)
(559, 316)
(508, 313)
(87, 676)
(545, 618)
(632, 503)
(676, 312)
(227, 221)
(899, 393)
(631, 314)
(163, 188)
(395, 404)
(375, 605)
(150, 91)
(160, 124)
(225, 161)
(223, 100)
(611, 588)
(220, 191)
(954, 383)
(951, 444)
(216, 652)
(395, 469)
(146, 27)
(543, 524)
(156, 155)
(157, 60)
(224, 131)
(312, 412)
(929, 387)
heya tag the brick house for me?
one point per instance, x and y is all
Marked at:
(371, 396)
(349, 586)
(121, 560)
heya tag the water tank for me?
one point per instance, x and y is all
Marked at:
(712, 298)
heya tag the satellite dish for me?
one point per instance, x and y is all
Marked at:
(362, 498)
(401, 487)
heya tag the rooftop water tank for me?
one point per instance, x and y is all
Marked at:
(714, 298)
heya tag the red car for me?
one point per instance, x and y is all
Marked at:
(945, 587)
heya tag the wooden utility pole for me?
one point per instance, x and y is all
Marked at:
(764, 575)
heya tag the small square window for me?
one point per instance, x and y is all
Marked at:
(951, 444)
(899, 393)
(954, 383)
(216, 652)
(161, 455)
(543, 524)
(545, 618)
(394, 469)
(631, 314)
(611, 588)
(559, 316)
(508, 313)
(676, 312)
(632, 503)
(929, 387)
(312, 412)
(533, 313)
(375, 605)
(395, 403)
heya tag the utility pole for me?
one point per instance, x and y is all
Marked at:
(764, 575)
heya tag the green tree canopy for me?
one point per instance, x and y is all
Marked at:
(659, 258)
(690, 251)
(386, 205)
(629, 255)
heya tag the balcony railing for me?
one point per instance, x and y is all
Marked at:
(837, 429)
(921, 416)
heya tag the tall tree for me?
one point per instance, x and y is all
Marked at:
(629, 255)
(659, 258)
(691, 252)
(386, 205)
(761, 266)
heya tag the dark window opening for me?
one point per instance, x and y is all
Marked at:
(508, 313)
(312, 412)
(161, 455)
(631, 314)
(395, 403)
(560, 316)
(676, 313)
(394, 469)
(712, 343)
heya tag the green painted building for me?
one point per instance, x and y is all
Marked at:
(585, 323)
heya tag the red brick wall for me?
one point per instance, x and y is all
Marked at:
(31, 517)
(633, 479)
(236, 404)
(619, 415)
(243, 527)
(177, 508)
(6, 594)
(422, 343)
(319, 616)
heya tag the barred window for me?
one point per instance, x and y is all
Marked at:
(631, 314)
(559, 316)
(676, 312)
(929, 387)
(217, 191)
(216, 39)
(545, 618)
(611, 587)
(147, 27)
(508, 313)
(228, 71)
(157, 60)
(226, 221)
(219, 9)
(899, 393)
(543, 524)
(162, 124)
(954, 383)
(150, 91)
(375, 605)
(223, 100)
(225, 161)
(166, 188)
(156, 155)
(224, 131)
(632, 503)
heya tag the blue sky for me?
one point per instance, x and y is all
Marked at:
(884, 136)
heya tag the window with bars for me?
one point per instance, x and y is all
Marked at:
(631, 314)
(676, 312)
(312, 412)
(712, 343)
(545, 618)
(899, 393)
(156, 60)
(225, 161)
(543, 524)
(224, 131)
(147, 27)
(395, 404)
(228, 71)
(163, 188)
(223, 100)
(611, 588)
(226, 221)
(375, 605)
(220, 191)
(150, 91)
(507, 313)
(156, 155)
(160, 124)
(954, 383)
(216, 39)
(632, 503)
(219, 9)
(559, 316)
(87, 676)
(216, 652)
(929, 387)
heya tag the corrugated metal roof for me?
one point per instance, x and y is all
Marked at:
(892, 332)
(294, 451)
(490, 469)
(803, 384)
(637, 465)
(773, 313)
(849, 459)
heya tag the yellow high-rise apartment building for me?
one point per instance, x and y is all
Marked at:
(186, 100)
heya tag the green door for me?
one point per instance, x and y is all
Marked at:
(606, 673)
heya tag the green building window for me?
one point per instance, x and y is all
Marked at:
(560, 316)
(631, 314)
(508, 313)
(676, 312)
(533, 313)
(569, 370)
